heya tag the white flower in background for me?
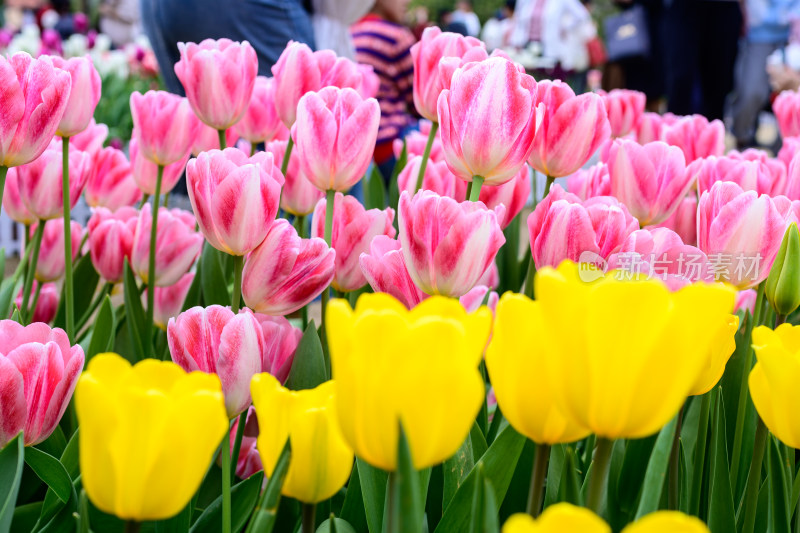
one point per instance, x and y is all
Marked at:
(77, 45)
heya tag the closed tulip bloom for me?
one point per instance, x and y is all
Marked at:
(335, 136)
(218, 77)
(489, 118)
(650, 128)
(46, 305)
(235, 198)
(776, 167)
(447, 246)
(177, 245)
(429, 81)
(353, 230)
(249, 460)
(683, 220)
(214, 340)
(321, 460)
(40, 182)
(91, 139)
(589, 182)
(749, 175)
(370, 82)
(110, 183)
(13, 205)
(625, 108)
(667, 522)
(623, 355)
(385, 270)
(280, 344)
(286, 272)
(260, 121)
(163, 124)
(696, 137)
(557, 518)
(790, 148)
(787, 110)
(792, 189)
(416, 141)
(650, 180)
(299, 196)
(562, 227)
(35, 96)
(740, 232)
(205, 138)
(382, 355)
(168, 301)
(127, 415)
(83, 95)
(50, 266)
(513, 195)
(111, 240)
(721, 350)
(437, 178)
(746, 301)
(145, 172)
(514, 365)
(572, 129)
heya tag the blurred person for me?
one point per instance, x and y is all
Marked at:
(120, 20)
(266, 24)
(566, 31)
(421, 20)
(497, 31)
(464, 14)
(447, 23)
(528, 22)
(783, 68)
(331, 20)
(383, 42)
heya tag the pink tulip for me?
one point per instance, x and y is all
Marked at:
(40, 182)
(370, 82)
(774, 166)
(235, 198)
(353, 229)
(385, 270)
(145, 172)
(740, 232)
(168, 301)
(91, 139)
(111, 240)
(791, 146)
(218, 77)
(286, 272)
(261, 122)
(38, 372)
(787, 110)
(792, 179)
(216, 341)
(475, 298)
(205, 138)
(746, 301)
(335, 136)
(589, 182)
(650, 128)
(513, 195)
(749, 175)
(429, 81)
(83, 95)
(280, 344)
(562, 227)
(249, 460)
(177, 245)
(50, 266)
(110, 183)
(438, 179)
(12, 200)
(447, 246)
(46, 305)
(34, 98)
(338, 72)
(489, 119)
(164, 126)
(572, 129)
(416, 141)
(683, 220)
(651, 180)
(697, 137)
(625, 108)
(299, 196)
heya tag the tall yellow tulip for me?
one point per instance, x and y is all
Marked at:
(774, 378)
(321, 460)
(667, 522)
(721, 350)
(558, 518)
(148, 434)
(417, 367)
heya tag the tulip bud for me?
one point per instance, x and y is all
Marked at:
(783, 283)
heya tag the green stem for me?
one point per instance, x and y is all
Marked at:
(69, 305)
(754, 477)
(779, 320)
(165, 202)
(674, 465)
(28, 314)
(226, 483)
(309, 517)
(392, 518)
(237, 442)
(222, 141)
(529, 277)
(536, 493)
(329, 206)
(151, 270)
(286, 155)
(300, 224)
(253, 149)
(145, 199)
(550, 181)
(700, 454)
(3, 174)
(131, 526)
(238, 266)
(304, 316)
(475, 191)
(597, 484)
(426, 155)
(22, 267)
(37, 243)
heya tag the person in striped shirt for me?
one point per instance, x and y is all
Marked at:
(382, 41)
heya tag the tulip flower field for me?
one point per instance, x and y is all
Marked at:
(617, 354)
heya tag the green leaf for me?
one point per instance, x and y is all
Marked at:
(374, 190)
(83, 513)
(180, 523)
(779, 506)
(498, 464)
(134, 314)
(51, 471)
(409, 504)
(266, 511)
(195, 295)
(7, 291)
(308, 367)
(243, 498)
(394, 190)
(483, 518)
(339, 526)
(85, 279)
(508, 262)
(55, 443)
(25, 517)
(657, 470)
(634, 465)
(16, 316)
(12, 458)
(516, 500)
(69, 459)
(456, 468)
(213, 278)
(353, 506)
(373, 490)
(102, 331)
(721, 514)
(570, 488)
(433, 501)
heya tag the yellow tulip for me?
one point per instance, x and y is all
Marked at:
(558, 518)
(721, 350)
(623, 355)
(321, 460)
(516, 369)
(418, 367)
(148, 434)
(667, 522)
(774, 378)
